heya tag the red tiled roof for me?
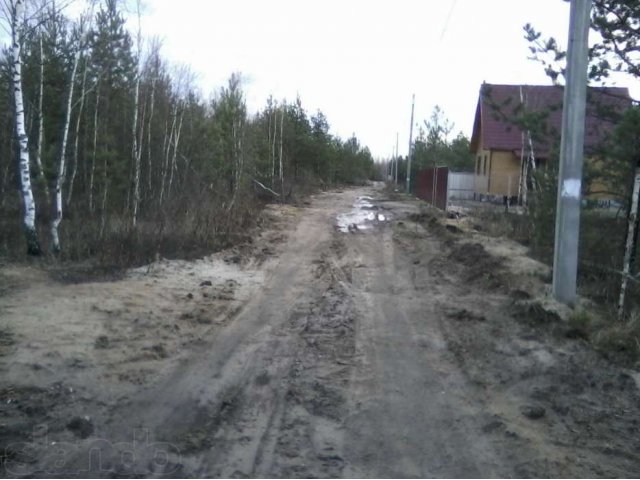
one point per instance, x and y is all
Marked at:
(499, 105)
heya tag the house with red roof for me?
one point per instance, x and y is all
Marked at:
(517, 130)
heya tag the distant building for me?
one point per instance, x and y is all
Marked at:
(517, 128)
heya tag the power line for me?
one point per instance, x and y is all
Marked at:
(446, 23)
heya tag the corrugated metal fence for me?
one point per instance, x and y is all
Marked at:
(461, 186)
(432, 185)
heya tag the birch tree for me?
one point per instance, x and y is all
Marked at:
(60, 174)
(281, 169)
(166, 149)
(122, 142)
(626, 145)
(631, 240)
(271, 138)
(92, 170)
(76, 138)
(16, 14)
(153, 71)
(176, 142)
(136, 148)
(40, 172)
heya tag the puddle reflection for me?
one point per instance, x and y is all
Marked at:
(363, 216)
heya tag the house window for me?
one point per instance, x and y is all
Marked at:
(484, 166)
(478, 160)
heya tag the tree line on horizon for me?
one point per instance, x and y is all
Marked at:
(111, 148)
(434, 147)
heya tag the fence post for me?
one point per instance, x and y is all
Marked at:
(434, 186)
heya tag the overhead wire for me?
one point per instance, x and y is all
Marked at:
(446, 23)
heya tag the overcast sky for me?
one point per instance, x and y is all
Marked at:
(360, 61)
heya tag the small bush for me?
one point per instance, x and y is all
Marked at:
(579, 325)
(621, 339)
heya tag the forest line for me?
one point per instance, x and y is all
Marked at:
(121, 157)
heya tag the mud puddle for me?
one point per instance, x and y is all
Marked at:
(364, 216)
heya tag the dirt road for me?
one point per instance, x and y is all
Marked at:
(354, 337)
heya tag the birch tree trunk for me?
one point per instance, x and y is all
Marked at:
(269, 145)
(273, 147)
(136, 149)
(632, 236)
(95, 148)
(77, 135)
(163, 161)
(522, 185)
(176, 141)
(151, 107)
(41, 176)
(532, 162)
(29, 215)
(167, 152)
(237, 134)
(105, 194)
(281, 167)
(57, 199)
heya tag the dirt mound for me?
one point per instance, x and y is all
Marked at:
(29, 414)
(538, 382)
(481, 267)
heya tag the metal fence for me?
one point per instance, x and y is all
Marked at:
(461, 186)
(497, 184)
(431, 186)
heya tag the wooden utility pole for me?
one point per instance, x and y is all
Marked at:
(565, 259)
(413, 101)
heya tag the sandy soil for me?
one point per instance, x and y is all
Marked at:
(394, 347)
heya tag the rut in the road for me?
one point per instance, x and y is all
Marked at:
(286, 418)
(309, 436)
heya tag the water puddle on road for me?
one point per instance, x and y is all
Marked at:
(364, 216)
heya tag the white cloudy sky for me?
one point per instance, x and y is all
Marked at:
(360, 61)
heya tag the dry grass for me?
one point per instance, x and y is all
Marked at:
(620, 339)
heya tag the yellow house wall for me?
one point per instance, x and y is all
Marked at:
(505, 173)
(482, 154)
(601, 181)
(482, 166)
(598, 185)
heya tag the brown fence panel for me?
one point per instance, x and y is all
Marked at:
(431, 186)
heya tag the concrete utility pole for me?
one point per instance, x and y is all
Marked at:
(565, 258)
(413, 101)
(396, 157)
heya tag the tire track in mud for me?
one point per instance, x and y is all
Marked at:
(412, 412)
(261, 396)
(286, 418)
(550, 406)
(316, 398)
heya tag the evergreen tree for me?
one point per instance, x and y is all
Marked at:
(433, 148)
(185, 168)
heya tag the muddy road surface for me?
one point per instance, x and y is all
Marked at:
(355, 336)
